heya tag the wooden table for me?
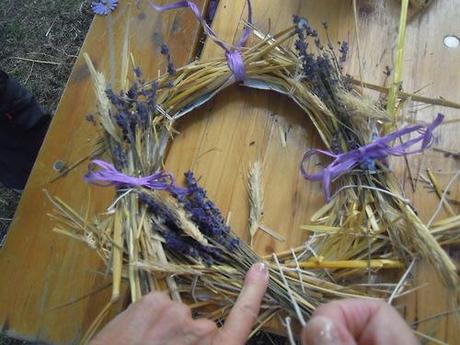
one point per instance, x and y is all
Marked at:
(55, 287)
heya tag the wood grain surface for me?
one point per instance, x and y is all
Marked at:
(219, 142)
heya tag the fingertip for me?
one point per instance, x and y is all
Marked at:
(258, 273)
(244, 313)
(321, 330)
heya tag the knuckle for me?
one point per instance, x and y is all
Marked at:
(182, 310)
(179, 311)
(202, 327)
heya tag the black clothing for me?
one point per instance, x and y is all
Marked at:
(22, 129)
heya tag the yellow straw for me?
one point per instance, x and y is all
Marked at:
(393, 93)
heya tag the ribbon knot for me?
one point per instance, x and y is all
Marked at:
(236, 64)
(108, 175)
(233, 55)
(365, 156)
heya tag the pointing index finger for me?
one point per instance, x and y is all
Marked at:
(244, 313)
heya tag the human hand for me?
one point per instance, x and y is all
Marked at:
(156, 320)
(356, 322)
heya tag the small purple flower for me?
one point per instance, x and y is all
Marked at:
(152, 95)
(122, 120)
(133, 91)
(120, 159)
(104, 7)
(343, 51)
(116, 101)
(138, 72)
(164, 50)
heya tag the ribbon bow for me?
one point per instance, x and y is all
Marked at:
(108, 175)
(378, 149)
(233, 54)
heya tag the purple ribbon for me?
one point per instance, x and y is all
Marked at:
(108, 175)
(233, 54)
(378, 149)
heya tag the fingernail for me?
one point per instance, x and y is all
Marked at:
(262, 269)
(321, 331)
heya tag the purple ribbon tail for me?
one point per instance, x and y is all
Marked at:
(378, 149)
(234, 57)
(108, 175)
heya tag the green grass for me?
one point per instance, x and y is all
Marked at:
(47, 30)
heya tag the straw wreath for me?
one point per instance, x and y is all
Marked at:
(159, 235)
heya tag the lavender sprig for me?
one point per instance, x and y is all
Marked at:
(323, 73)
(133, 108)
(164, 50)
(343, 50)
(175, 239)
(206, 215)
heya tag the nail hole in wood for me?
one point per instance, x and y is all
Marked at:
(451, 41)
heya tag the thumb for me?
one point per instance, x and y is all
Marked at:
(352, 321)
(321, 330)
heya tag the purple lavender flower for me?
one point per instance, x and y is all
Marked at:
(104, 7)
(206, 215)
(164, 50)
(321, 70)
(137, 72)
(343, 50)
(304, 26)
(152, 95)
(175, 239)
(133, 108)
(177, 244)
(116, 101)
(122, 120)
(155, 207)
(120, 159)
